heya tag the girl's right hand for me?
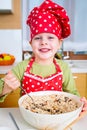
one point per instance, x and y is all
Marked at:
(11, 83)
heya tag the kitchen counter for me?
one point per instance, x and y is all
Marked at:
(77, 66)
(5, 120)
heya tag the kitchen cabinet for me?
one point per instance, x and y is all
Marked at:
(12, 20)
(12, 99)
(81, 83)
(6, 6)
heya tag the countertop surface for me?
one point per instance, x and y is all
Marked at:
(76, 66)
(6, 121)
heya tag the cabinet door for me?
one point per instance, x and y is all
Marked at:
(81, 83)
(12, 99)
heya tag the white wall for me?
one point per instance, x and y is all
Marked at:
(11, 42)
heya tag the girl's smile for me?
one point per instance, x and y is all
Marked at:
(44, 50)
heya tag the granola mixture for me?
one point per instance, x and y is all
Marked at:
(50, 104)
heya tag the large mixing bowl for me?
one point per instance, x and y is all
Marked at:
(50, 121)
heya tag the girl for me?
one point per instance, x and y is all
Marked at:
(49, 25)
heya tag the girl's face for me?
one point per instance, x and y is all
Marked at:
(44, 46)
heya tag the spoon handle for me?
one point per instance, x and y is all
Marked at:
(26, 93)
(10, 114)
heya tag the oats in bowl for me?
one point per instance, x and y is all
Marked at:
(50, 104)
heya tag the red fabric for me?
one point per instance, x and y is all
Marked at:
(32, 83)
(49, 17)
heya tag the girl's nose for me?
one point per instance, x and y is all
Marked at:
(44, 42)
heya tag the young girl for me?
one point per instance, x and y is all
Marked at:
(49, 25)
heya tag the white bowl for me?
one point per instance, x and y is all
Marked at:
(47, 121)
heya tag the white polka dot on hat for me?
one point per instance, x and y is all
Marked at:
(51, 18)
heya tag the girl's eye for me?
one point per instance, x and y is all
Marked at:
(50, 37)
(37, 38)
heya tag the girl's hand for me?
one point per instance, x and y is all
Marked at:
(84, 100)
(10, 83)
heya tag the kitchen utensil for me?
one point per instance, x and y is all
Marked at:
(76, 120)
(13, 119)
(36, 105)
(27, 94)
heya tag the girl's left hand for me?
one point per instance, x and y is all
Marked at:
(84, 100)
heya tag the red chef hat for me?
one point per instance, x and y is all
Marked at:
(51, 18)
